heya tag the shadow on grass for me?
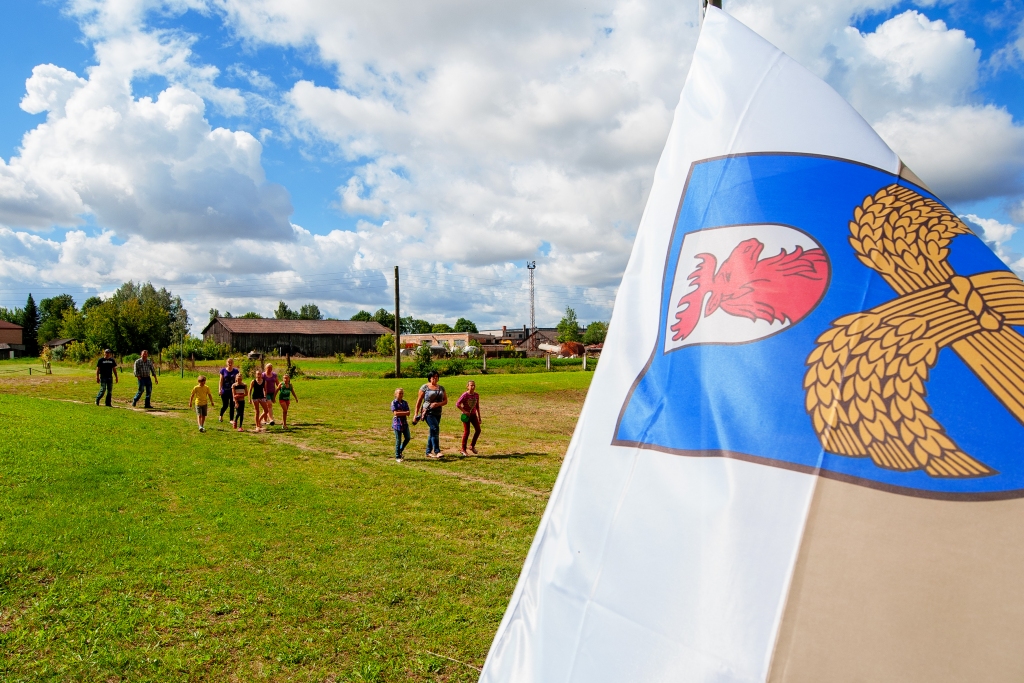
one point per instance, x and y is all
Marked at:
(499, 456)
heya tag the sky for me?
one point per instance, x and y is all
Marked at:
(242, 152)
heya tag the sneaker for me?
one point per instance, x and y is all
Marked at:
(202, 429)
(473, 448)
(221, 418)
(398, 460)
(134, 401)
(463, 453)
(271, 422)
(97, 401)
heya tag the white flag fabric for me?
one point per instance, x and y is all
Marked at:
(735, 504)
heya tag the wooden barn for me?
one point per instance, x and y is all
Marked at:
(298, 337)
(11, 343)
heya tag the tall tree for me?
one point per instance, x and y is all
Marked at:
(310, 311)
(284, 313)
(364, 316)
(596, 332)
(385, 318)
(418, 326)
(251, 314)
(51, 316)
(441, 328)
(214, 313)
(30, 327)
(464, 325)
(569, 327)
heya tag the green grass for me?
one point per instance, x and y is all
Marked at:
(133, 548)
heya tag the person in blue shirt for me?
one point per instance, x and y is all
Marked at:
(400, 423)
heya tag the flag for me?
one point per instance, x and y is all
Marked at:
(800, 458)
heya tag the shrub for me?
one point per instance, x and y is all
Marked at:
(340, 357)
(130, 358)
(79, 352)
(386, 345)
(454, 366)
(294, 371)
(424, 359)
(250, 366)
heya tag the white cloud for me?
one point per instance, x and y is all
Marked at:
(907, 62)
(997, 236)
(962, 153)
(146, 167)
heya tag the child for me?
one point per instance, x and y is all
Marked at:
(203, 397)
(469, 404)
(285, 395)
(258, 396)
(400, 423)
(239, 392)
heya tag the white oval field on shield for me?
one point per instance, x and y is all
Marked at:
(740, 283)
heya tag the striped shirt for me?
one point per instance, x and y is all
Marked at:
(144, 368)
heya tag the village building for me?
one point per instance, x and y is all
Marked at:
(297, 337)
(59, 344)
(452, 341)
(11, 342)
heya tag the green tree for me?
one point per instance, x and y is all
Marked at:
(285, 313)
(386, 345)
(12, 315)
(569, 327)
(227, 314)
(441, 328)
(30, 325)
(420, 327)
(364, 316)
(251, 314)
(464, 325)
(51, 314)
(596, 332)
(90, 302)
(384, 318)
(214, 313)
(72, 326)
(310, 312)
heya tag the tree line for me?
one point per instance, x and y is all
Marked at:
(135, 317)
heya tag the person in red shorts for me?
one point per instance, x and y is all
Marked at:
(469, 404)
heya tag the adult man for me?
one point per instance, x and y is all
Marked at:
(145, 373)
(106, 375)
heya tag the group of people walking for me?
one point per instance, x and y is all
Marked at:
(430, 401)
(261, 393)
(266, 388)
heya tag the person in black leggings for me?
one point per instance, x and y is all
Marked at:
(227, 379)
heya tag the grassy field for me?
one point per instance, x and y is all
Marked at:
(133, 548)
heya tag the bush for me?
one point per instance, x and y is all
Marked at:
(424, 360)
(454, 366)
(294, 371)
(130, 358)
(79, 352)
(386, 345)
(198, 349)
(249, 367)
(340, 357)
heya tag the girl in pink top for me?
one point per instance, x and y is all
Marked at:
(469, 404)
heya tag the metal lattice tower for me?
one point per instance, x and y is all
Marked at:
(532, 265)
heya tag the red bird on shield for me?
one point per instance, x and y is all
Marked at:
(784, 287)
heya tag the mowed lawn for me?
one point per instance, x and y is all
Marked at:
(134, 548)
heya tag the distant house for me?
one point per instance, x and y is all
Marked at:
(11, 340)
(58, 344)
(302, 337)
(450, 340)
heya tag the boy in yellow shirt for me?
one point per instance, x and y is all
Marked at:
(203, 397)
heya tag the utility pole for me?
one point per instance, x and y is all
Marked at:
(398, 332)
(532, 346)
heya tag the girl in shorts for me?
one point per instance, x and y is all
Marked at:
(285, 395)
(258, 396)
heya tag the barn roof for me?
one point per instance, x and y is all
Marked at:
(274, 326)
(4, 325)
